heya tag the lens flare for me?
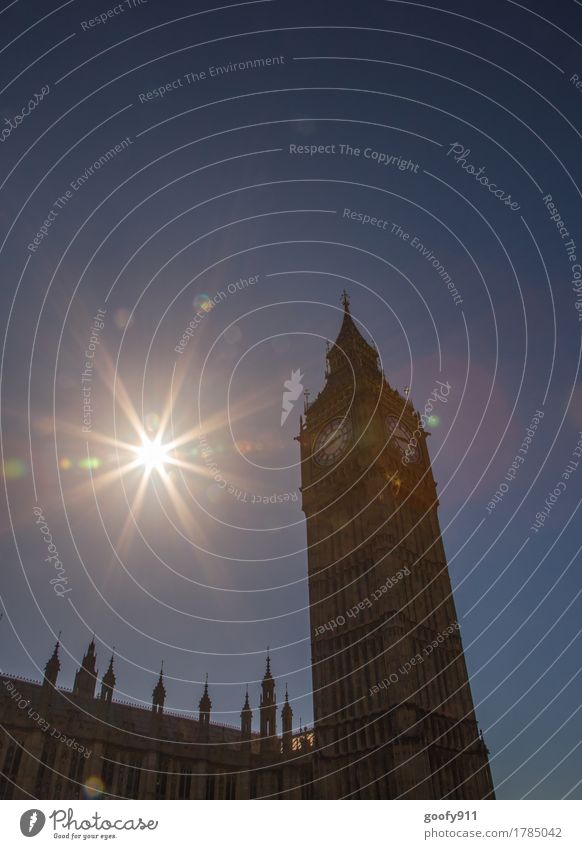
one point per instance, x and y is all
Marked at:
(203, 302)
(93, 787)
(90, 463)
(14, 469)
(123, 319)
(152, 422)
(152, 455)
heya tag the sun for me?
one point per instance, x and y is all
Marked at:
(152, 455)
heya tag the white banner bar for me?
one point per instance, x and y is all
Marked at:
(294, 825)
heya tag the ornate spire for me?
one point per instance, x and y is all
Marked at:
(246, 719)
(53, 665)
(268, 670)
(108, 682)
(287, 722)
(351, 352)
(205, 704)
(86, 677)
(205, 700)
(204, 708)
(159, 693)
(110, 674)
(159, 688)
(268, 710)
(286, 706)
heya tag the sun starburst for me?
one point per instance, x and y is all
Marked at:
(153, 455)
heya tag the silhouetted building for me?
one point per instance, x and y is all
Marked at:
(394, 715)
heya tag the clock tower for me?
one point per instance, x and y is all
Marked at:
(394, 715)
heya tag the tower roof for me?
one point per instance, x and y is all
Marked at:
(109, 677)
(268, 676)
(159, 689)
(159, 693)
(349, 334)
(286, 706)
(247, 706)
(89, 657)
(53, 663)
(350, 352)
(205, 703)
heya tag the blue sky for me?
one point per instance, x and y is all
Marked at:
(209, 192)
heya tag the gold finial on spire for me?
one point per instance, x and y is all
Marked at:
(346, 300)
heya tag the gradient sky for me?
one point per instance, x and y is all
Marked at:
(207, 192)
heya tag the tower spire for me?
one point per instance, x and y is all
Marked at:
(53, 666)
(246, 719)
(351, 354)
(287, 723)
(268, 708)
(159, 693)
(108, 682)
(86, 676)
(204, 708)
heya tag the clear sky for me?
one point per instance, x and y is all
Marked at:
(237, 167)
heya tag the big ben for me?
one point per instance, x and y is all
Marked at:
(394, 715)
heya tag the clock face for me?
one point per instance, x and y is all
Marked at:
(332, 441)
(399, 434)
